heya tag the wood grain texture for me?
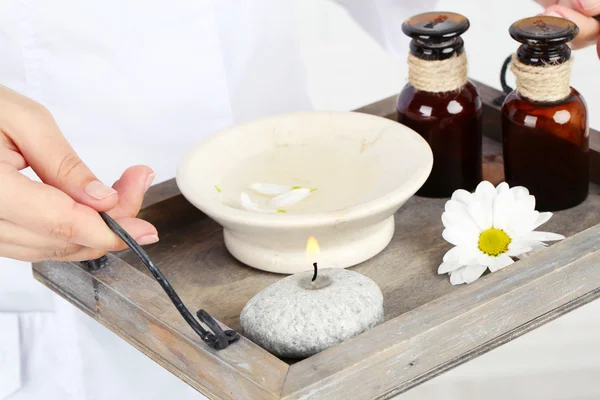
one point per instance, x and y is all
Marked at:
(192, 255)
(430, 325)
(121, 297)
(453, 328)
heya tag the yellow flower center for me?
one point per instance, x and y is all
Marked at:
(494, 242)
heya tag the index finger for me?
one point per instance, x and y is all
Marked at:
(50, 212)
(589, 8)
(589, 28)
(33, 130)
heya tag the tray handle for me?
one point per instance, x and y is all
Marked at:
(216, 338)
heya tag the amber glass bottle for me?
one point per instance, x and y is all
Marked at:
(440, 104)
(545, 129)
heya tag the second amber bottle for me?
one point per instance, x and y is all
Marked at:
(441, 104)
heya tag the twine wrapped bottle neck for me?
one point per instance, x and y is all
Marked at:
(440, 75)
(546, 82)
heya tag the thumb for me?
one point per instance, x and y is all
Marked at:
(33, 130)
(589, 28)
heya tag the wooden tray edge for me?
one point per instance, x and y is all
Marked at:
(119, 295)
(543, 284)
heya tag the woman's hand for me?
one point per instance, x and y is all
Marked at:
(581, 12)
(58, 219)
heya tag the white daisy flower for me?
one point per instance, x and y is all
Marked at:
(488, 228)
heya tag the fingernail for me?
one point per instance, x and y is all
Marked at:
(148, 239)
(553, 14)
(99, 190)
(149, 180)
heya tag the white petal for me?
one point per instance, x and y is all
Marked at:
(269, 189)
(500, 262)
(483, 258)
(459, 237)
(460, 221)
(501, 188)
(535, 247)
(468, 255)
(518, 248)
(446, 267)
(452, 254)
(503, 207)
(289, 198)
(462, 196)
(528, 202)
(542, 219)
(459, 215)
(479, 214)
(455, 205)
(456, 277)
(485, 191)
(519, 192)
(523, 215)
(249, 205)
(542, 236)
(472, 272)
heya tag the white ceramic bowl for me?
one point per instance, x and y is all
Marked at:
(363, 167)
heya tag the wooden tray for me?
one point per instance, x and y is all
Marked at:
(430, 326)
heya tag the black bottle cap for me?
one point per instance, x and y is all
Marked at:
(435, 26)
(543, 31)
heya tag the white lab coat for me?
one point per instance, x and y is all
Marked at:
(139, 82)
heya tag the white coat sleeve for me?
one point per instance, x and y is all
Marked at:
(10, 354)
(382, 19)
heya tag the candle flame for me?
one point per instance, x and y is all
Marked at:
(312, 249)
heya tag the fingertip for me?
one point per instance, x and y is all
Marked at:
(552, 12)
(137, 228)
(589, 8)
(589, 28)
(100, 197)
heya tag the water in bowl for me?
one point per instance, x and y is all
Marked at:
(341, 179)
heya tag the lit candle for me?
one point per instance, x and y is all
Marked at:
(311, 311)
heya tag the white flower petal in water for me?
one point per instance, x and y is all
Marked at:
(269, 189)
(250, 205)
(489, 228)
(289, 198)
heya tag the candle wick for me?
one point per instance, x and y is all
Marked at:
(314, 278)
